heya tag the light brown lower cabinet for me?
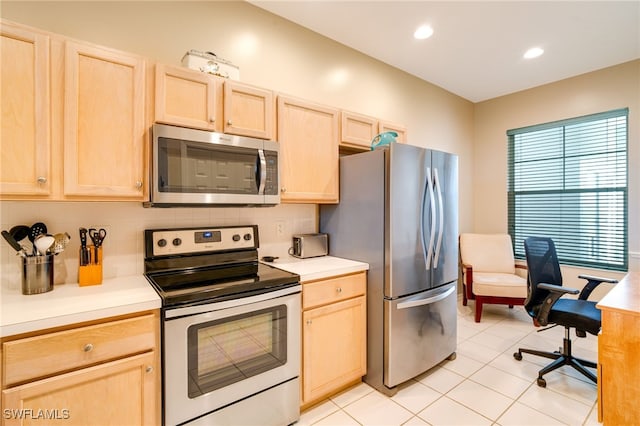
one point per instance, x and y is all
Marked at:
(334, 333)
(103, 373)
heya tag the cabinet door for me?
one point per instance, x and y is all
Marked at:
(104, 124)
(334, 347)
(122, 392)
(248, 111)
(188, 98)
(308, 136)
(386, 126)
(357, 130)
(24, 103)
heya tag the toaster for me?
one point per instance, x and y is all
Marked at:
(310, 245)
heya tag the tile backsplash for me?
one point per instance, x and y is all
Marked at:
(123, 248)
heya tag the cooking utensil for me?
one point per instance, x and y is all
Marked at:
(43, 242)
(35, 230)
(97, 236)
(85, 254)
(60, 242)
(19, 232)
(13, 243)
(269, 258)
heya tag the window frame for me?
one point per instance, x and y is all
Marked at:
(512, 182)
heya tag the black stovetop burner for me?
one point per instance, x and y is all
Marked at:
(203, 265)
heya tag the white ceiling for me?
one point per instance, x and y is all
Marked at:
(477, 47)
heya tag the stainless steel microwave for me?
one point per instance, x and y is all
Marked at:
(201, 168)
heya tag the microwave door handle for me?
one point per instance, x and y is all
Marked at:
(262, 171)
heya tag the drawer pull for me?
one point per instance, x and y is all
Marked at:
(88, 347)
(149, 369)
(309, 322)
(339, 289)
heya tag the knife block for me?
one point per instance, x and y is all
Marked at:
(91, 273)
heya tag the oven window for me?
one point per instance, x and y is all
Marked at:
(194, 167)
(229, 350)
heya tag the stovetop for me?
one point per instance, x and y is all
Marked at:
(203, 265)
(181, 288)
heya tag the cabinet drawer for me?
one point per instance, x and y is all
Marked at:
(38, 356)
(317, 293)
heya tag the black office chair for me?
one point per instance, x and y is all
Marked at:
(545, 305)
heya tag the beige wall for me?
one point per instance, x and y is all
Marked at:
(599, 91)
(273, 53)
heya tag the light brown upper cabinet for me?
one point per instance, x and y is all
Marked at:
(308, 136)
(249, 110)
(25, 163)
(357, 130)
(73, 119)
(386, 126)
(104, 122)
(188, 98)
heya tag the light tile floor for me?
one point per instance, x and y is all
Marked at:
(484, 385)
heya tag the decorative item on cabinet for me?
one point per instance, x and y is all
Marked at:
(210, 63)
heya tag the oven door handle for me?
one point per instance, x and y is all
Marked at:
(261, 173)
(174, 313)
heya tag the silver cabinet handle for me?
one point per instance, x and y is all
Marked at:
(309, 322)
(339, 289)
(149, 369)
(139, 184)
(88, 347)
(212, 120)
(283, 189)
(229, 123)
(42, 179)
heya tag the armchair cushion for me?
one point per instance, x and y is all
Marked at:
(487, 253)
(499, 284)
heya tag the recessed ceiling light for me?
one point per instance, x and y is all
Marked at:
(423, 32)
(534, 52)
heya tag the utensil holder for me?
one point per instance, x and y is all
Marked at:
(37, 274)
(91, 272)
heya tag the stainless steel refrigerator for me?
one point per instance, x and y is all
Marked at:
(398, 212)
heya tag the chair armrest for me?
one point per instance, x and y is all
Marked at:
(592, 283)
(467, 272)
(555, 293)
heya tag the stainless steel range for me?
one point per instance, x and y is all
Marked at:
(230, 328)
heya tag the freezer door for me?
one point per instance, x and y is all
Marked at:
(420, 332)
(444, 169)
(407, 221)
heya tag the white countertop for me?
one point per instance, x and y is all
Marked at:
(69, 303)
(315, 268)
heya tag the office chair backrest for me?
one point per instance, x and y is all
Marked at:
(543, 267)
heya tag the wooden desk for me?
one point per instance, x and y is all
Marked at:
(619, 354)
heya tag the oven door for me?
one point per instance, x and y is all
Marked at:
(221, 353)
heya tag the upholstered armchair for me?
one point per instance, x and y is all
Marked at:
(489, 271)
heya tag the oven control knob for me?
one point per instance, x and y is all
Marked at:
(162, 242)
(177, 241)
(247, 237)
(236, 237)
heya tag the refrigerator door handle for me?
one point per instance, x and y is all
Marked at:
(427, 301)
(441, 212)
(422, 240)
(433, 221)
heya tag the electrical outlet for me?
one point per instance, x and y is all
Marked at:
(280, 228)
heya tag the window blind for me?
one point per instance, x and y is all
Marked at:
(567, 180)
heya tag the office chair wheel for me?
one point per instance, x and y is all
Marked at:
(542, 382)
(518, 356)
